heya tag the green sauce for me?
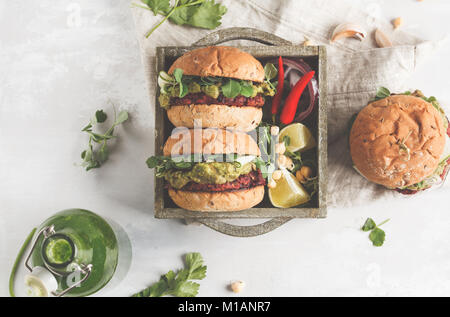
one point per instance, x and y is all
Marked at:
(207, 173)
(59, 251)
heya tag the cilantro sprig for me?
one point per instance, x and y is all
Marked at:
(204, 14)
(179, 283)
(377, 236)
(94, 157)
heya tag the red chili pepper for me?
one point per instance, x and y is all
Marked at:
(291, 104)
(276, 101)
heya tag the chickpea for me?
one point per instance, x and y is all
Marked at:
(281, 160)
(237, 286)
(280, 148)
(276, 175)
(306, 171)
(274, 130)
(300, 176)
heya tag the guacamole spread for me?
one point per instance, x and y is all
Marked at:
(207, 173)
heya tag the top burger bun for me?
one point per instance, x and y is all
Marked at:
(220, 61)
(210, 141)
(397, 141)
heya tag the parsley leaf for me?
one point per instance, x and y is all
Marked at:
(179, 284)
(368, 225)
(204, 14)
(377, 236)
(207, 15)
(158, 6)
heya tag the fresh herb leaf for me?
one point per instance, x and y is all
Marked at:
(178, 74)
(207, 15)
(382, 93)
(286, 140)
(197, 13)
(179, 284)
(183, 85)
(94, 158)
(100, 116)
(121, 118)
(270, 71)
(158, 6)
(377, 237)
(231, 89)
(368, 225)
(246, 89)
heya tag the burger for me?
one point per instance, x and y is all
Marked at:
(211, 170)
(402, 142)
(217, 86)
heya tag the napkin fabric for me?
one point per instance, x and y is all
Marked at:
(355, 68)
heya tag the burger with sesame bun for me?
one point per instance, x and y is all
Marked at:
(217, 86)
(401, 141)
(211, 170)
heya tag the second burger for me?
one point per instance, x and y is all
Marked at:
(211, 170)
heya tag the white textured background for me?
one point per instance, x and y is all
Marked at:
(62, 60)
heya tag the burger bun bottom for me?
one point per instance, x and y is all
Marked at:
(218, 201)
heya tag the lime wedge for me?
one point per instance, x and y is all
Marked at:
(299, 136)
(288, 192)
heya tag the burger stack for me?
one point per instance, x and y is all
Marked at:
(213, 96)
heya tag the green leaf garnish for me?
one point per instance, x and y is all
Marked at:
(270, 71)
(94, 158)
(179, 284)
(377, 236)
(231, 89)
(368, 225)
(204, 14)
(382, 93)
(286, 140)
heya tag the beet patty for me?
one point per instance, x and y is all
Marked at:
(204, 99)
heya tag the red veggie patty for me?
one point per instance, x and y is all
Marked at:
(204, 99)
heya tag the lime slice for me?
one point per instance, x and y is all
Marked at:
(300, 138)
(288, 192)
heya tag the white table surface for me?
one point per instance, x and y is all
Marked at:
(62, 60)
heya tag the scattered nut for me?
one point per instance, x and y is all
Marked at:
(237, 286)
(274, 130)
(284, 161)
(272, 183)
(382, 39)
(281, 160)
(280, 148)
(348, 30)
(306, 171)
(299, 176)
(397, 22)
(306, 42)
(276, 175)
